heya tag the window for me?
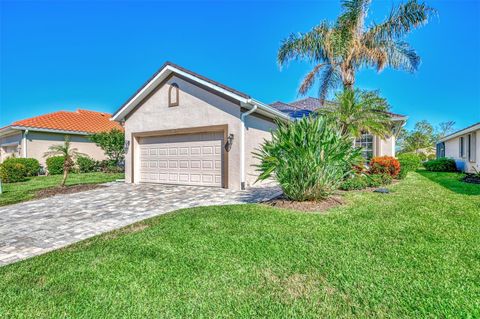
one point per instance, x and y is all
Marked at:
(462, 146)
(173, 95)
(365, 142)
(471, 146)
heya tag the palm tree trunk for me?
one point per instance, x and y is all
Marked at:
(64, 179)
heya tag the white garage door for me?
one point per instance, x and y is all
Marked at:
(193, 159)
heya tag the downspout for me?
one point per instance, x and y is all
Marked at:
(242, 144)
(24, 142)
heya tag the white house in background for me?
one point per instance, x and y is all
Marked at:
(33, 136)
(183, 128)
(463, 146)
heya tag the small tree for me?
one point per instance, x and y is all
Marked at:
(357, 111)
(69, 153)
(112, 143)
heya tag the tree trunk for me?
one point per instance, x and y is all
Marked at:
(64, 179)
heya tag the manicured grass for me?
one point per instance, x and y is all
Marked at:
(413, 253)
(19, 192)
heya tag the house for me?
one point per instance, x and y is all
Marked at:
(463, 146)
(183, 128)
(32, 137)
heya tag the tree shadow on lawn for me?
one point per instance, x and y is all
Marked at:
(452, 182)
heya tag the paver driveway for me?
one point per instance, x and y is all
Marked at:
(35, 227)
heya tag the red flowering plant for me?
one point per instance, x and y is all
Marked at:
(385, 165)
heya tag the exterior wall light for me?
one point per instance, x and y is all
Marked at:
(228, 144)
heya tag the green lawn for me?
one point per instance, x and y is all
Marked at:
(19, 192)
(412, 253)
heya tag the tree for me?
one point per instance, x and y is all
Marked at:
(112, 143)
(339, 50)
(69, 154)
(357, 111)
(423, 137)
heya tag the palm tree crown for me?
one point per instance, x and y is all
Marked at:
(69, 154)
(339, 50)
(356, 112)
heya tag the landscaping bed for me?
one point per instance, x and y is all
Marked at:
(306, 206)
(471, 178)
(52, 191)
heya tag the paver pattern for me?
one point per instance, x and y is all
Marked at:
(32, 228)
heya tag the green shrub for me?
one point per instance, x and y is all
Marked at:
(386, 179)
(309, 158)
(12, 172)
(55, 165)
(408, 162)
(32, 166)
(374, 180)
(110, 166)
(355, 183)
(441, 165)
(86, 164)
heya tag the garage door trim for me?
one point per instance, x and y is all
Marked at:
(182, 131)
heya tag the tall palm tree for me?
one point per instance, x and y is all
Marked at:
(69, 153)
(356, 112)
(339, 50)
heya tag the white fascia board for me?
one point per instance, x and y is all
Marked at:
(159, 78)
(460, 133)
(36, 129)
(269, 111)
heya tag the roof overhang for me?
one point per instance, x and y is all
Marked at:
(466, 130)
(168, 69)
(47, 130)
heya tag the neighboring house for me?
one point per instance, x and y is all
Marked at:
(32, 137)
(463, 146)
(183, 128)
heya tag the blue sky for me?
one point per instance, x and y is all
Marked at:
(94, 55)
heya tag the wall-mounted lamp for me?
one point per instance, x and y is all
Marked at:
(126, 145)
(228, 144)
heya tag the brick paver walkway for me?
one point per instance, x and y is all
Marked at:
(32, 228)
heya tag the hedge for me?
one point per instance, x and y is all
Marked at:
(55, 165)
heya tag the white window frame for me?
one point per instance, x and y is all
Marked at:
(362, 141)
(461, 141)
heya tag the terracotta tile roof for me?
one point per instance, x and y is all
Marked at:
(79, 121)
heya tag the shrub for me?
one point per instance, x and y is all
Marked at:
(386, 179)
(408, 162)
(309, 158)
(385, 165)
(441, 165)
(12, 172)
(32, 166)
(374, 180)
(110, 166)
(86, 164)
(355, 183)
(55, 165)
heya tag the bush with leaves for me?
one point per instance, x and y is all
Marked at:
(32, 166)
(442, 164)
(112, 143)
(409, 162)
(309, 158)
(356, 182)
(55, 165)
(86, 164)
(12, 172)
(385, 165)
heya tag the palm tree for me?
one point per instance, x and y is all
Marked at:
(339, 50)
(356, 112)
(69, 153)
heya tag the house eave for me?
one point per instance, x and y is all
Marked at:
(48, 130)
(464, 131)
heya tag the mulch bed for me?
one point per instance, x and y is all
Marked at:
(308, 206)
(48, 192)
(471, 178)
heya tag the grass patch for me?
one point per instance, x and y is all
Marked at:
(411, 253)
(23, 191)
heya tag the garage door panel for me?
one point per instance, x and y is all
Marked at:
(194, 159)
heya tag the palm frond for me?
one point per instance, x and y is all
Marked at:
(311, 46)
(309, 79)
(330, 79)
(402, 20)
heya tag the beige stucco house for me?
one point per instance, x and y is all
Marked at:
(32, 137)
(183, 128)
(464, 147)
